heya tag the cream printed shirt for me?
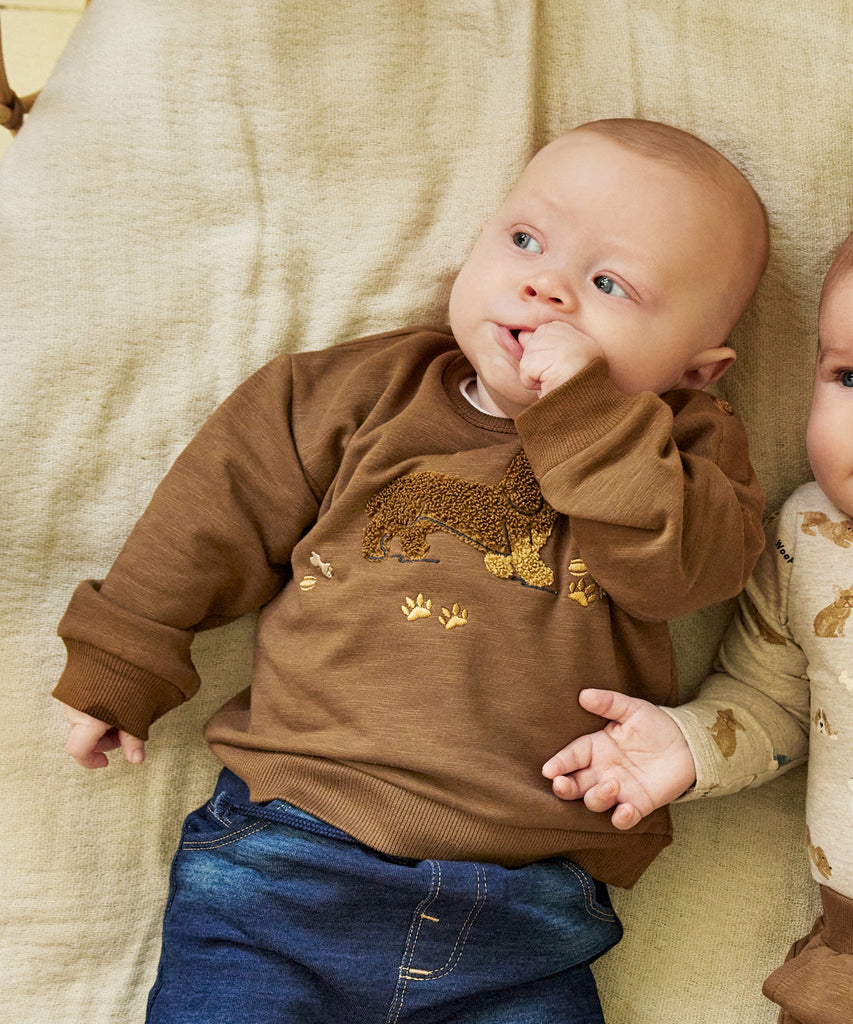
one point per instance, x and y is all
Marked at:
(783, 689)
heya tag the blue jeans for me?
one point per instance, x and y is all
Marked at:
(275, 917)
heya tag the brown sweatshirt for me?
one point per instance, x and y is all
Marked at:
(428, 610)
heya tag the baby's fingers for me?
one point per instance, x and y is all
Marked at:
(610, 704)
(571, 758)
(89, 739)
(605, 795)
(133, 747)
(86, 744)
(625, 816)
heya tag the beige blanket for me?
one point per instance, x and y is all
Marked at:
(202, 185)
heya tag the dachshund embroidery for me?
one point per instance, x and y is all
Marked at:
(509, 522)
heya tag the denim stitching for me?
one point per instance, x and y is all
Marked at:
(457, 951)
(589, 898)
(411, 942)
(234, 837)
(407, 972)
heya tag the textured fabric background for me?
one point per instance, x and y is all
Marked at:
(202, 185)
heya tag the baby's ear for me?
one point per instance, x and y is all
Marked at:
(706, 367)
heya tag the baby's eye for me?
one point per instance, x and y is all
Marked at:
(526, 242)
(607, 285)
(846, 378)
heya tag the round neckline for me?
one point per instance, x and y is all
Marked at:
(455, 374)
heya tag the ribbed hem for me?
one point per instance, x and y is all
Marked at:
(403, 824)
(112, 690)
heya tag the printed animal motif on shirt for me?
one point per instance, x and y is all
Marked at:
(840, 533)
(765, 631)
(724, 730)
(821, 724)
(829, 622)
(509, 522)
(819, 859)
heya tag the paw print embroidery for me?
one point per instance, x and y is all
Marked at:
(421, 608)
(579, 589)
(583, 595)
(453, 617)
(418, 609)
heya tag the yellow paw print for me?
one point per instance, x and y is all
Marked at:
(419, 609)
(452, 617)
(583, 595)
(579, 590)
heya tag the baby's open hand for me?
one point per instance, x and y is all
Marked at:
(553, 354)
(90, 738)
(639, 761)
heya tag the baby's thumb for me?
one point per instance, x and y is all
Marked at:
(608, 704)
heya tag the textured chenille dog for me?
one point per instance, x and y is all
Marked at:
(509, 521)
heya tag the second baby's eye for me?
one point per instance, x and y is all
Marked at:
(846, 378)
(607, 285)
(526, 242)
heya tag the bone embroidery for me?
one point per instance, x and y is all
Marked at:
(324, 567)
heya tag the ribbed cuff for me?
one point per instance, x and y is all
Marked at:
(112, 690)
(570, 418)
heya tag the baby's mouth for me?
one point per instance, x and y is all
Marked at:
(513, 341)
(521, 335)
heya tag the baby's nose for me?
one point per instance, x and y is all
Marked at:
(550, 288)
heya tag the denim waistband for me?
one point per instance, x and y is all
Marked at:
(232, 793)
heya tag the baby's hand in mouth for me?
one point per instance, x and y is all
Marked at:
(553, 354)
